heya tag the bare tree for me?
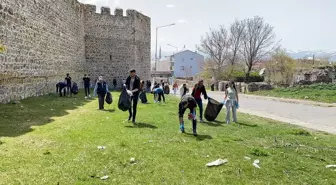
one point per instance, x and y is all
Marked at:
(216, 44)
(236, 34)
(258, 40)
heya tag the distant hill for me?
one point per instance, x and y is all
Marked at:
(331, 55)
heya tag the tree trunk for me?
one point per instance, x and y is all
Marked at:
(247, 76)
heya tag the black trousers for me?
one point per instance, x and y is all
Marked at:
(87, 90)
(159, 95)
(68, 88)
(132, 114)
(181, 114)
(60, 91)
(101, 100)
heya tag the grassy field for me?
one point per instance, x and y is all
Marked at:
(317, 92)
(52, 140)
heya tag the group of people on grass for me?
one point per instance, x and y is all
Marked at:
(134, 86)
(192, 101)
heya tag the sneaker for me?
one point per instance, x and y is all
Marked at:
(89, 96)
(129, 118)
(182, 128)
(195, 133)
(201, 121)
(227, 122)
(85, 97)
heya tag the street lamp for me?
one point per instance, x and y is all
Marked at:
(157, 28)
(173, 47)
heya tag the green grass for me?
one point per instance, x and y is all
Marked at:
(52, 140)
(317, 92)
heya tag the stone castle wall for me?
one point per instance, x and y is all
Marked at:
(45, 39)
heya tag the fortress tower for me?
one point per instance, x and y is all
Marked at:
(42, 40)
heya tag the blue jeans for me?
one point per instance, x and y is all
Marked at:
(200, 106)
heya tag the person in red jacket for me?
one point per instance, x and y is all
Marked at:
(197, 92)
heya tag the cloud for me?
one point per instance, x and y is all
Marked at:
(170, 6)
(116, 2)
(181, 21)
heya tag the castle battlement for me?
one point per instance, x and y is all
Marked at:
(118, 12)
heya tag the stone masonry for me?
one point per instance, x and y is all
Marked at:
(42, 40)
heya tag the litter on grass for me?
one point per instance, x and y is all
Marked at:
(218, 162)
(132, 160)
(104, 177)
(101, 147)
(256, 163)
(331, 166)
(247, 158)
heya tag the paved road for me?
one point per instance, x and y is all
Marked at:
(309, 116)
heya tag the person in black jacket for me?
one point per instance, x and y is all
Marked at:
(188, 102)
(197, 92)
(133, 85)
(60, 86)
(68, 83)
(86, 80)
(101, 89)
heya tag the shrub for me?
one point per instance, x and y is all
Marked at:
(259, 152)
(240, 76)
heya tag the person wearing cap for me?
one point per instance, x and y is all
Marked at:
(188, 102)
(197, 92)
(101, 89)
(133, 86)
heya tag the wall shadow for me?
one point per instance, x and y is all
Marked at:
(17, 118)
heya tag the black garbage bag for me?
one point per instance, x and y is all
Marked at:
(108, 98)
(124, 100)
(212, 109)
(143, 97)
(166, 89)
(74, 89)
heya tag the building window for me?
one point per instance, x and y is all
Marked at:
(191, 58)
(190, 67)
(181, 68)
(110, 57)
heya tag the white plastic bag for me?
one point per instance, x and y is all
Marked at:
(218, 162)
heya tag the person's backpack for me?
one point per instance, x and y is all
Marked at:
(74, 89)
(108, 98)
(143, 97)
(124, 100)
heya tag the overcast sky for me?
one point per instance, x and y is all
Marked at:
(300, 24)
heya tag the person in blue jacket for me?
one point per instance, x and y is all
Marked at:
(101, 89)
(158, 93)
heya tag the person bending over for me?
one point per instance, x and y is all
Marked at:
(59, 87)
(188, 102)
(158, 94)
